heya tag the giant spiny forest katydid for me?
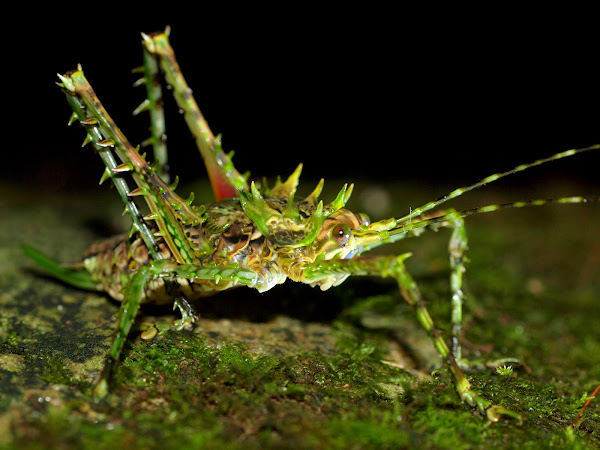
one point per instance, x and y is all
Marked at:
(253, 235)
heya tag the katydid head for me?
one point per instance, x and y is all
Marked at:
(336, 237)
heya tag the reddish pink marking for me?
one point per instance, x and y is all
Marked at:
(222, 188)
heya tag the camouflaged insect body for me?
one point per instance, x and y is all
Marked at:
(224, 232)
(253, 236)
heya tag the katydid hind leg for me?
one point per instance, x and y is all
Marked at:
(225, 179)
(153, 104)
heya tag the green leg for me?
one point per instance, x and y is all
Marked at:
(134, 293)
(104, 133)
(75, 277)
(385, 266)
(225, 179)
(129, 308)
(188, 316)
(169, 211)
(154, 105)
(457, 248)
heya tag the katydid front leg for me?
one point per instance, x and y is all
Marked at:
(393, 266)
(456, 249)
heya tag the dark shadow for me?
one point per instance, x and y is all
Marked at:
(291, 299)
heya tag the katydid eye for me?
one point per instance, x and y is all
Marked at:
(341, 233)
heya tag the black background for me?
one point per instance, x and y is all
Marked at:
(425, 96)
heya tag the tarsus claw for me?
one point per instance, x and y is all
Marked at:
(494, 413)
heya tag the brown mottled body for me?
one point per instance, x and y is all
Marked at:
(234, 238)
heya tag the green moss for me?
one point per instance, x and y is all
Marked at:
(286, 381)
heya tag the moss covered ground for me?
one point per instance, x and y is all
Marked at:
(300, 368)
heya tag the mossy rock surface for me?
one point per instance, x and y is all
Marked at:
(298, 368)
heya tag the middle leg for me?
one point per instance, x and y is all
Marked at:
(393, 266)
(134, 294)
